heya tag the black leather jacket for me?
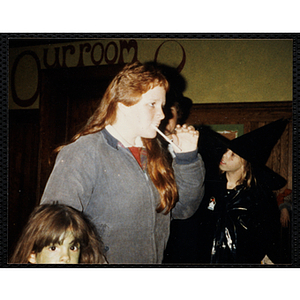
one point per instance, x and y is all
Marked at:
(240, 225)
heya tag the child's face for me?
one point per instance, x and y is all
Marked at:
(231, 162)
(145, 113)
(64, 253)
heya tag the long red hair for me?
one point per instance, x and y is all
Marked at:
(127, 87)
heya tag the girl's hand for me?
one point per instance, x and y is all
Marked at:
(284, 218)
(186, 137)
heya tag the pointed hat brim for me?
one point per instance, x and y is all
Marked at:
(255, 147)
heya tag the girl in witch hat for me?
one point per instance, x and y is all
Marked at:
(239, 214)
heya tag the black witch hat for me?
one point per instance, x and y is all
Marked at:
(255, 147)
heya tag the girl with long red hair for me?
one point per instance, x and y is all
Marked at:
(118, 173)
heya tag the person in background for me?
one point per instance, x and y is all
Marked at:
(183, 240)
(119, 174)
(58, 234)
(285, 204)
(284, 201)
(239, 216)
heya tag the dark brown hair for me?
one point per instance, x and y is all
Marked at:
(48, 224)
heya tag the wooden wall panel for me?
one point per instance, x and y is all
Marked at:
(23, 161)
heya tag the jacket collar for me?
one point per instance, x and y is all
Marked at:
(111, 131)
(113, 142)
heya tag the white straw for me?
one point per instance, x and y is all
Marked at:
(166, 138)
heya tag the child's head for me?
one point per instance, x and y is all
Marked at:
(65, 251)
(127, 87)
(57, 233)
(232, 162)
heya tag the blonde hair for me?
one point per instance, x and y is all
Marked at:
(48, 224)
(127, 87)
(247, 176)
